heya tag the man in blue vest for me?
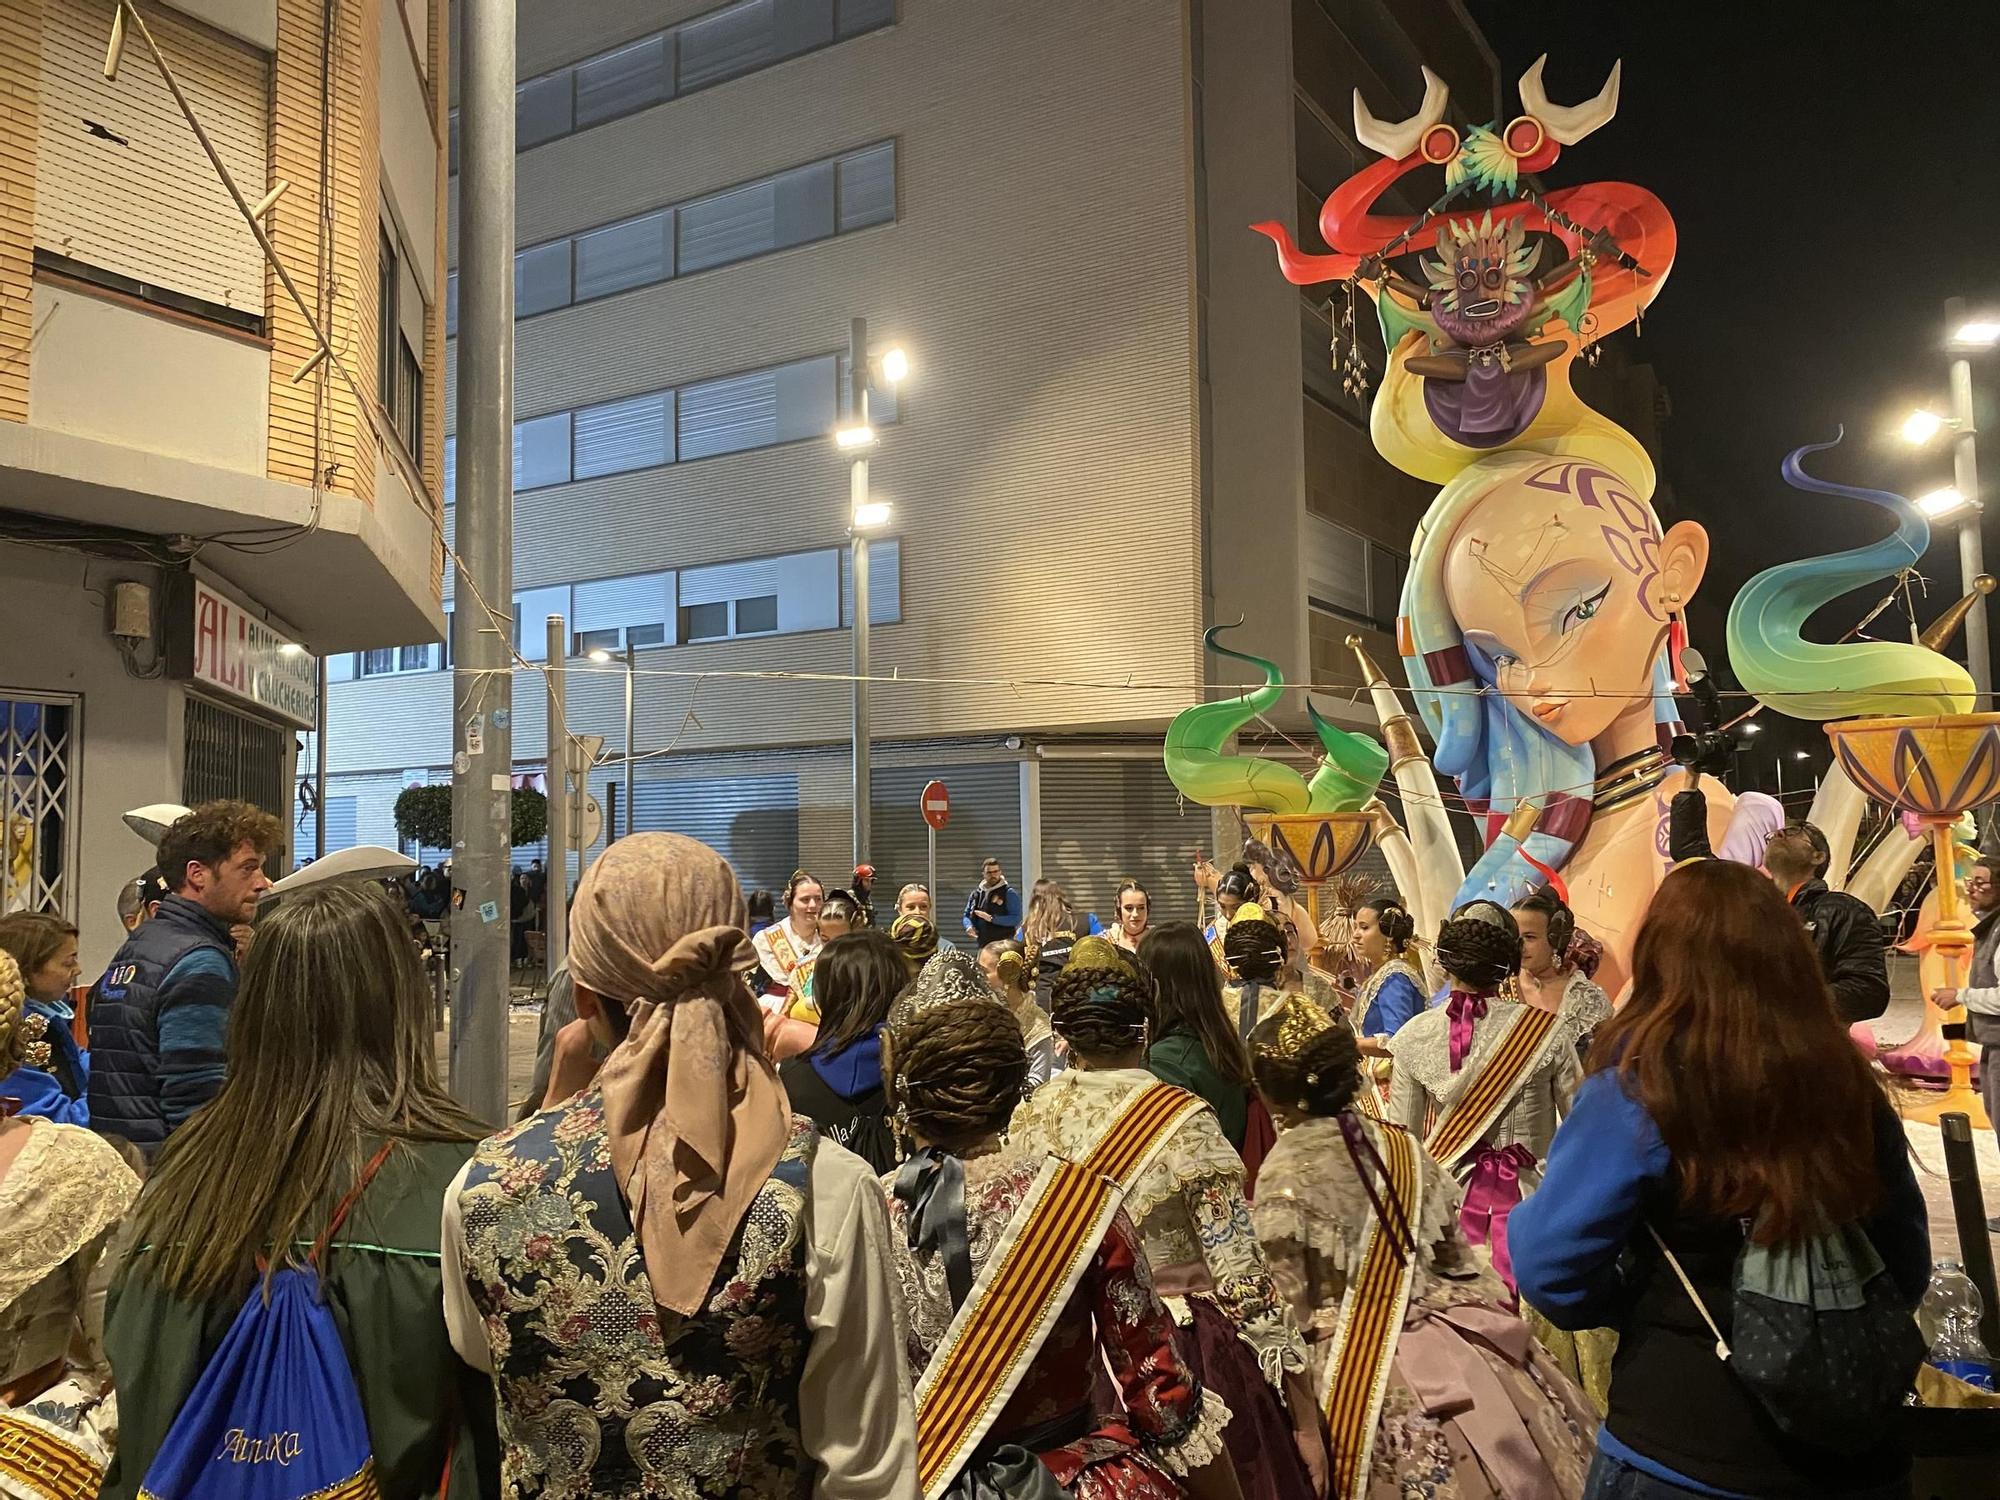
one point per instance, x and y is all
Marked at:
(161, 1011)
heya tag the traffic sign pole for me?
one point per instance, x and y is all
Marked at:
(934, 802)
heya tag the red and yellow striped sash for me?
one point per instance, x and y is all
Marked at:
(1371, 1317)
(1482, 1098)
(1126, 1149)
(31, 1454)
(997, 1332)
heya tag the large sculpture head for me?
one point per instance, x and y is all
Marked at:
(1535, 618)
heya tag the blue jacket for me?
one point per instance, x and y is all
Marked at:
(157, 1022)
(56, 1092)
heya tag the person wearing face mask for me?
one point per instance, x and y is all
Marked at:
(44, 947)
(1135, 912)
(786, 944)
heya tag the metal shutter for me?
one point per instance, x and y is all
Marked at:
(985, 820)
(752, 821)
(343, 823)
(1108, 821)
(152, 208)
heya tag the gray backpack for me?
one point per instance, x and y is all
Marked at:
(1822, 1337)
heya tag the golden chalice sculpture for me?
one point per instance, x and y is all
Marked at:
(1937, 767)
(1314, 846)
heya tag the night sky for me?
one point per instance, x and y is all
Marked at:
(1831, 169)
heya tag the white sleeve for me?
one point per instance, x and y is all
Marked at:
(855, 1413)
(1981, 1002)
(461, 1317)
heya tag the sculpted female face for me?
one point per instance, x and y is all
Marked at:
(1560, 576)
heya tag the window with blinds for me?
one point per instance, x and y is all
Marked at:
(122, 185)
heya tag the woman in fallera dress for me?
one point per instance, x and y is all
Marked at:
(1393, 992)
(1452, 1399)
(959, 1203)
(1185, 1193)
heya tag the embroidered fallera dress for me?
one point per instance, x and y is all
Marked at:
(1168, 1427)
(1474, 1408)
(1193, 1218)
(1389, 998)
(1505, 1165)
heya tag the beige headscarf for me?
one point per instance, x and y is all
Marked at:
(696, 1116)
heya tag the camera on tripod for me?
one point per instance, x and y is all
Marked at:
(1712, 751)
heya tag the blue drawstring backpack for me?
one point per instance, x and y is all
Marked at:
(275, 1415)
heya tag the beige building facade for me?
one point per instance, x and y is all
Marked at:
(196, 506)
(1117, 431)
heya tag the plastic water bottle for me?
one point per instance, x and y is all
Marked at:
(1949, 1317)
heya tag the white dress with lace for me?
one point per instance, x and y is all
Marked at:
(1188, 1205)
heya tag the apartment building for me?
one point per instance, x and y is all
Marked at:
(1117, 431)
(197, 506)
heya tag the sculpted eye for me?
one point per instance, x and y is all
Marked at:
(1584, 609)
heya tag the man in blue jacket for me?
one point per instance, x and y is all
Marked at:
(993, 910)
(159, 1015)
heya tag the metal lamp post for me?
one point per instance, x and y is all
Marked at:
(631, 747)
(1964, 336)
(856, 437)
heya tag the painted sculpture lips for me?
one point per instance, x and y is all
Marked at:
(1484, 309)
(1548, 710)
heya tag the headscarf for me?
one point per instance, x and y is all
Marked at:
(695, 1114)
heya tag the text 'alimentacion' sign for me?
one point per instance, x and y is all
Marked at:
(237, 653)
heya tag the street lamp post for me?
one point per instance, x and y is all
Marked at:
(1965, 474)
(856, 436)
(1964, 336)
(601, 656)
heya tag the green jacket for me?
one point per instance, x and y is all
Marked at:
(1179, 1059)
(383, 1284)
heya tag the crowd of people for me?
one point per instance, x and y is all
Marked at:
(828, 1204)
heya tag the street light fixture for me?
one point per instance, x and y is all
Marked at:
(1940, 504)
(1921, 425)
(1753, 728)
(1976, 333)
(855, 437)
(601, 656)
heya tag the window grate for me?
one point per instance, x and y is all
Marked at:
(228, 754)
(38, 828)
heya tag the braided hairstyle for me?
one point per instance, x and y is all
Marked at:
(1323, 1077)
(917, 935)
(1254, 949)
(13, 1002)
(1101, 1005)
(1480, 945)
(960, 1069)
(1396, 924)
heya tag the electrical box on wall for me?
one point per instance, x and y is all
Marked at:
(132, 611)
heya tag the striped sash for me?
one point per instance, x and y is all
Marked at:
(46, 1461)
(1490, 1090)
(1142, 1128)
(1371, 1318)
(781, 949)
(1028, 1280)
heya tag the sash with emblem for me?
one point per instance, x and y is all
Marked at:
(1356, 1377)
(1005, 1318)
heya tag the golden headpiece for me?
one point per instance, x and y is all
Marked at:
(1282, 1035)
(1099, 953)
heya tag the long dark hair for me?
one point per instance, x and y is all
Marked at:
(1731, 1042)
(855, 978)
(1188, 996)
(330, 1047)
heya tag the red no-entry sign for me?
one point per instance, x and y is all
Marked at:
(936, 804)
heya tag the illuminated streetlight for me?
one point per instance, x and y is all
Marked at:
(599, 655)
(895, 366)
(1941, 503)
(1801, 755)
(871, 515)
(1921, 425)
(1753, 728)
(855, 435)
(1976, 333)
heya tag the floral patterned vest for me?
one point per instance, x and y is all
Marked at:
(602, 1391)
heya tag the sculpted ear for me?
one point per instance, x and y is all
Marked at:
(1683, 562)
